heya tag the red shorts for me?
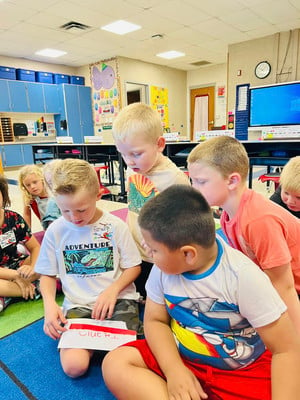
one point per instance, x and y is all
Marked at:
(249, 383)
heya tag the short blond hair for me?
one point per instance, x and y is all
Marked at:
(23, 173)
(48, 171)
(290, 176)
(223, 153)
(72, 175)
(137, 119)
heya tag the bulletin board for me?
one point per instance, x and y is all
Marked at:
(106, 94)
(159, 100)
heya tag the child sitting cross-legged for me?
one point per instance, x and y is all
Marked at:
(95, 257)
(215, 327)
(17, 276)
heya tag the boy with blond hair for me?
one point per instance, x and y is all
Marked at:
(204, 338)
(95, 257)
(287, 195)
(138, 136)
(262, 230)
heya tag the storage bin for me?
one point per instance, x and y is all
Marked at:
(7, 73)
(77, 80)
(59, 78)
(44, 77)
(25, 75)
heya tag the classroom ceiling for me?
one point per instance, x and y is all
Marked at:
(202, 29)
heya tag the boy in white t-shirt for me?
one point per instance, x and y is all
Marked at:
(95, 257)
(215, 327)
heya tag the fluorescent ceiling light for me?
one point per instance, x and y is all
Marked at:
(50, 53)
(121, 27)
(170, 54)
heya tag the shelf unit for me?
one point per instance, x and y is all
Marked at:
(6, 130)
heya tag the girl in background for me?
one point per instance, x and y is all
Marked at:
(35, 194)
(17, 276)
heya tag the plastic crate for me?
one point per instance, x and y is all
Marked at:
(43, 77)
(59, 78)
(7, 73)
(77, 80)
(25, 75)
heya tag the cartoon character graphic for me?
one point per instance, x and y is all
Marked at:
(213, 332)
(86, 262)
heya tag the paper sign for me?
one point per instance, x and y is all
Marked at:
(64, 139)
(93, 139)
(85, 333)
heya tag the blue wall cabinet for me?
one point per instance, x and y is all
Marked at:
(35, 96)
(12, 155)
(21, 96)
(27, 154)
(85, 106)
(18, 96)
(4, 96)
(16, 154)
(51, 99)
(77, 104)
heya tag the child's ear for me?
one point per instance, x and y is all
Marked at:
(189, 253)
(161, 143)
(99, 195)
(234, 179)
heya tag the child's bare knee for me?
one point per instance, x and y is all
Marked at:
(73, 371)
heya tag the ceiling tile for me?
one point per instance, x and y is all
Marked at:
(200, 28)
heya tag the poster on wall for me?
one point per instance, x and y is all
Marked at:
(106, 96)
(159, 100)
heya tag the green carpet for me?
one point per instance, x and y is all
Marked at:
(22, 313)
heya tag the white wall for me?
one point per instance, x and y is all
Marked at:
(37, 66)
(158, 75)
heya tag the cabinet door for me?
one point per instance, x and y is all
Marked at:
(35, 97)
(85, 106)
(13, 155)
(51, 98)
(73, 113)
(27, 154)
(18, 96)
(4, 96)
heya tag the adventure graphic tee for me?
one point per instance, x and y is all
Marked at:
(88, 259)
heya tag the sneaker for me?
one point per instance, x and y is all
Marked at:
(37, 292)
(4, 302)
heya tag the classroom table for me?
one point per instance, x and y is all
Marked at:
(269, 153)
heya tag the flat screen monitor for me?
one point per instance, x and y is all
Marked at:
(275, 105)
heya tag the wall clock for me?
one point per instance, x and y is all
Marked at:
(262, 69)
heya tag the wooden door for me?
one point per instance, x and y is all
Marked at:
(203, 91)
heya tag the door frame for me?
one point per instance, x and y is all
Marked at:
(208, 89)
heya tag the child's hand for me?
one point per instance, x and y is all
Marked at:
(54, 321)
(105, 304)
(182, 384)
(26, 271)
(26, 287)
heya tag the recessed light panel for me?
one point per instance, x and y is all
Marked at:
(121, 27)
(170, 54)
(50, 53)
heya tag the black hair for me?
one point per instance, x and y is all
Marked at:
(179, 216)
